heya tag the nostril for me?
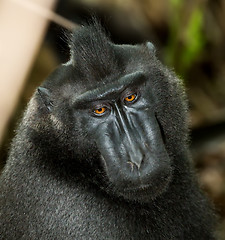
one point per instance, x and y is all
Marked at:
(131, 165)
(135, 155)
(139, 163)
(136, 163)
(147, 146)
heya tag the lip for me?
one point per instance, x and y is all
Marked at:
(145, 188)
(141, 187)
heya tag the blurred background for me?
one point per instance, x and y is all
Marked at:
(189, 36)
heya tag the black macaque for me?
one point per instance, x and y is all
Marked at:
(102, 152)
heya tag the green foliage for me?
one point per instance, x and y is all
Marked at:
(186, 39)
(194, 38)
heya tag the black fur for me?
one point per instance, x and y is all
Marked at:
(54, 185)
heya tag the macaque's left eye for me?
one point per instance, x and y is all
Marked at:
(131, 98)
(100, 111)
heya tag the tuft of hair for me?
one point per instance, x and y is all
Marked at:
(91, 51)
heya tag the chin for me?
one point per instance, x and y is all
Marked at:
(145, 193)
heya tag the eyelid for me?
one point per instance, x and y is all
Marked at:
(135, 97)
(100, 106)
(130, 98)
(100, 111)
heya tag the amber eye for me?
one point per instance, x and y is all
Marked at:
(100, 111)
(130, 98)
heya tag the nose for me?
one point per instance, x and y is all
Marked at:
(136, 156)
(131, 140)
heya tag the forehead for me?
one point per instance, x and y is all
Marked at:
(130, 68)
(127, 60)
(112, 89)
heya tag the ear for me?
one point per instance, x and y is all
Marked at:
(151, 47)
(45, 97)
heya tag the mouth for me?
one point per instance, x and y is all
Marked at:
(145, 192)
(142, 184)
(141, 187)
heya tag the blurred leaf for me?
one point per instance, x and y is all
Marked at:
(176, 3)
(194, 39)
(186, 40)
